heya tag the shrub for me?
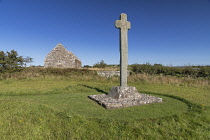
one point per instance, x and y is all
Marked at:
(100, 64)
(158, 69)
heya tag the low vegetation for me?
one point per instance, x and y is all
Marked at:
(100, 64)
(185, 71)
(38, 103)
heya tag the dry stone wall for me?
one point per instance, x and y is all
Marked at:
(110, 73)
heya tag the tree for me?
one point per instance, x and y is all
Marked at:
(26, 60)
(100, 64)
(87, 66)
(2, 59)
(12, 61)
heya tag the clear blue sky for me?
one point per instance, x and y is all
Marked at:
(170, 32)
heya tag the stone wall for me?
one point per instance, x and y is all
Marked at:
(59, 57)
(110, 73)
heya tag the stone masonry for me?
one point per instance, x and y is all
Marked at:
(60, 57)
(110, 73)
(120, 97)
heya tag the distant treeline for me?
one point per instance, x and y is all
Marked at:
(185, 71)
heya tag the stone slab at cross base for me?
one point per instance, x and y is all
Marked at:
(120, 97)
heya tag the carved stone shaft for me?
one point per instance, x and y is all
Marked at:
(124, 26)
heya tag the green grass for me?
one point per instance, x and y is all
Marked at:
(57, 107)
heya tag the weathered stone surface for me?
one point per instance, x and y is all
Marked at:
(119, 92)
(59, 57)
(120, 97)
(110, 73)
(124, 26)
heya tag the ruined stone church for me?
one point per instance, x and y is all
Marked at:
(60, 57)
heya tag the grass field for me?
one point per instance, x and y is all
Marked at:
(55, 106)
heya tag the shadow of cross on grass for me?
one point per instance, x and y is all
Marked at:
(97, 89)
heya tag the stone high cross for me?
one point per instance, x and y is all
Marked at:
(124, 26)
(123, 95)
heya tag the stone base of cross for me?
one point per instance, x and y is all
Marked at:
(119, 92)
(121, 97)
